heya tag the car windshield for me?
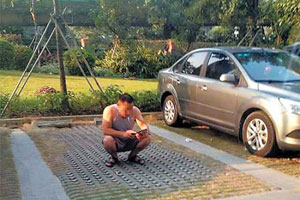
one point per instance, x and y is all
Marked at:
(269, 66)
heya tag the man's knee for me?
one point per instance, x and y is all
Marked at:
(108, 141)
(146, 140)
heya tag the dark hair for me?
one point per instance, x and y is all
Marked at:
(126, 98)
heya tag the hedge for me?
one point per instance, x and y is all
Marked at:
(80, 103)
(7, 55)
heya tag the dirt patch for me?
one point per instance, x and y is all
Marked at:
(9, 185)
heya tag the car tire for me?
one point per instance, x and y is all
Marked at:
(259, 135)
(170, 112)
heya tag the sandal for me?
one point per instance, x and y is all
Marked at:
(111, 162)
(136, 159)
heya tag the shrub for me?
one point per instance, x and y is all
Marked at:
(104, 72)
(50, 102)
(110, 95)
(49, 68)
(22, 56)
(116, 60)
(147, 101)
(145, 62)
(7, 55)
(138, 61)
(80, 103)
(3, 100)
(87, 103)
(220, 34)
(71, 64)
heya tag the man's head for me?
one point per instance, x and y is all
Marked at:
(125, 105)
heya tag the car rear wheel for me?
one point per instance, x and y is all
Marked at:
(259, 135)
(170, 112)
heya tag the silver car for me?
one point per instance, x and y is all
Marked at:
(252, 93)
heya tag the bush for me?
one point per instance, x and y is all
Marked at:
(116, 60)
(138, 61)
(103, 72)
(220, 34)
(110, 95)
(147, 101)
(3, 100)
(7, 55)
(80, 103)
(22, 56)
(49, 68)
(71, 64)
(145, 62)
(51, 102)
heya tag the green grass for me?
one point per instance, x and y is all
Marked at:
(9, 79)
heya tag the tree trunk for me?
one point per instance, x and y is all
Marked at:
(59, 47)
(255, 19)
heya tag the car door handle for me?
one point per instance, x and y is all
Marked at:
(203, 88)
(177, 81)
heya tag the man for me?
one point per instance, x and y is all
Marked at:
(117, 124)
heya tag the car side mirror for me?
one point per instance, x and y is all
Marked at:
(228, 78)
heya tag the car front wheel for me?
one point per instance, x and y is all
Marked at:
(259, 135)
(170, 112)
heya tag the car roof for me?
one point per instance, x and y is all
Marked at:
(233, 49)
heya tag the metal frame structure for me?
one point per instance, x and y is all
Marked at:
(20, 85)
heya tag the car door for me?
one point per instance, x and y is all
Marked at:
(218, 99)
(186, 82)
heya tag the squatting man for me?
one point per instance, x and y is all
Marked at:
(117, 124)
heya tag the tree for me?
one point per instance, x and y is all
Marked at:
(287, 19)
(196, 15)
(165, 16)
(288, 11)
(182, 19)
(63, 85)
(118, 17)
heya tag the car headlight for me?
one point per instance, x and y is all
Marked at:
(290, 105)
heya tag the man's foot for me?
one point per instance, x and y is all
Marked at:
(111, 162)
(136, 159)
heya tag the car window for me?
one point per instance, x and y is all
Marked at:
(269, 65)
(194, 63)
(177, 67)
(219, 64)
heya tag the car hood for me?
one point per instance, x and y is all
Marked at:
(283, 90)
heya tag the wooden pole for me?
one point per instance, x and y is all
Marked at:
(59, 48)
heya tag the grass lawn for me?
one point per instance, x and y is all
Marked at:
(9, 79)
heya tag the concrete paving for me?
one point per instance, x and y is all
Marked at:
(36, 179)
(38, 182)
(288, 184)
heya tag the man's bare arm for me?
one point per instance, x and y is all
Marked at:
(107, 124)
(140, 120)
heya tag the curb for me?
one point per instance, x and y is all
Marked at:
(17, 122)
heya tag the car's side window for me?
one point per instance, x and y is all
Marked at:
(194, 63)
(177, 67)
(219, 64)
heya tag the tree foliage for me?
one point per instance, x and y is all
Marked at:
(118, 17)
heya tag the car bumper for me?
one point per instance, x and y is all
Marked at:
(288, 131)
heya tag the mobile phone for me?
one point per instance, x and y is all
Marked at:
(133, 133)
(142, 132)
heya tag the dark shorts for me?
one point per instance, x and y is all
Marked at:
(125, 144)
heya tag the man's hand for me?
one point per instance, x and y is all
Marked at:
(129, 134)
